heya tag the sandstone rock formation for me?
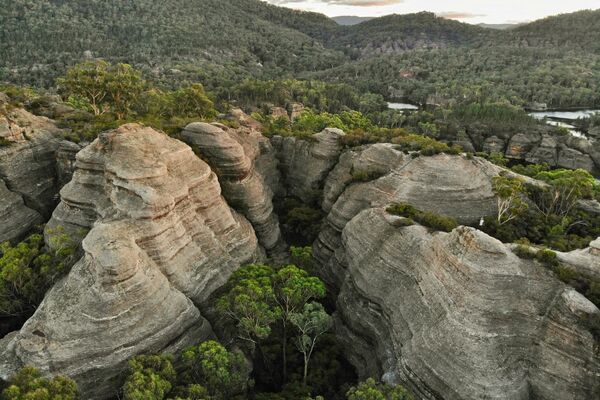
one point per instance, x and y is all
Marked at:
(65, 161)
(306, 164)
(27, 170)
(233, 155)
(448, 185)
(585, 261)
(161, 239)
(459, 316)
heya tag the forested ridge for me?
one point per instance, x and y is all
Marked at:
(220, 43)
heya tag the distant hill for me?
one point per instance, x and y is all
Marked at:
(39, 39)
(501, 27)
(223, 42)
(347, 20)
(396, 33)
(575, 30)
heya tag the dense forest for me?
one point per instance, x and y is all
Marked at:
(419, 57)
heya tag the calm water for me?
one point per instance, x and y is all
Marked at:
(402, 106)
(565, 115)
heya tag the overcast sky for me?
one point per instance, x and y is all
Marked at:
(472, 11)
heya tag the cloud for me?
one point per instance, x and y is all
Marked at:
(459, 15)
(355, 3)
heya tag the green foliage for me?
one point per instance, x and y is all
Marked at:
(425, 218)
(117, 94)
(300, 221)
(28, 270)
(150, 377)
(212, 366)
(312, 322)
(28, 384)
(105, 87)
(510, 193)
(316, 95)
(424, 145)
(249, 302)
(371, 390)
(366, 175)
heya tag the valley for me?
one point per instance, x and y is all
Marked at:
(232, 200)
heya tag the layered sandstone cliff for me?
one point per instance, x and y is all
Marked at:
(235, 156)
(28, 183)
(459, 316)
(159, 238)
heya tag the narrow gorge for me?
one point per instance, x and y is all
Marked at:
(161, 223)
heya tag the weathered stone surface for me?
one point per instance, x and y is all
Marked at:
(459, 316)
(244, 119)
(233, 155)
(494, 144)
(65, 161)
(448, 185)
(521, 144)
(27, 165)
(573, 159)
(16, 219)
(27, 168)
(305, 165)
(279, 112)
(546, 152)
(162, 239)
(585, 261)
(296, 110)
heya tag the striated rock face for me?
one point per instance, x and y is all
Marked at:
(233, 155)
(161, 239)
(27, 170)
(585, 261)
(521, 144)
(459, 316)
(574, 159)
(16, 219)
(448, 185)
(494, 144)
(306, 164)
(65, 161)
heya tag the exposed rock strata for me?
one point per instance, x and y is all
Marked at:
(448, 185)
(27, 169)
(233, 155)
(459, 316)
(306, 164)
(162, 239)
(65, 161)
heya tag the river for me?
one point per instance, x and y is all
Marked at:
(561, 118)
(402, 106)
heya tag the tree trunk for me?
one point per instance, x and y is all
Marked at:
(284, 352)
(305, 370)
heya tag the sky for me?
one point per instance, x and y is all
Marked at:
(471, 11)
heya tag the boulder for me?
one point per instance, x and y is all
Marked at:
(494, 144)
(161, 240)
(237, 114)
(521, 144)
(279, 112)
(573, 159)
(584, 261)
(459, 316)
(545, 152)
(296, 110)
